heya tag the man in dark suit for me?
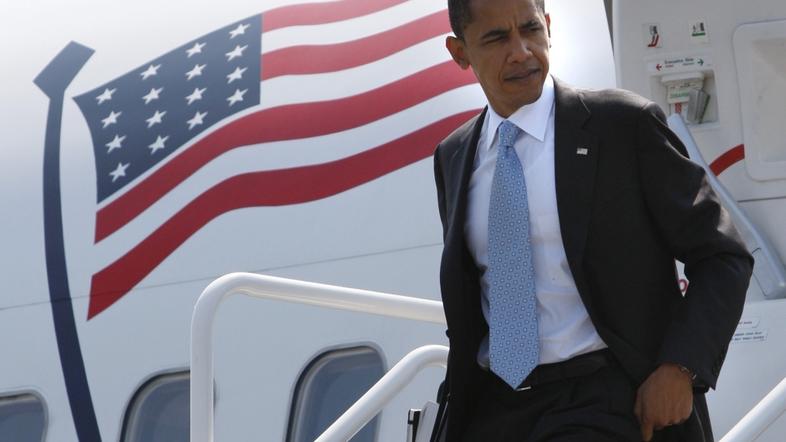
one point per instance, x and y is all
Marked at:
(563, 211)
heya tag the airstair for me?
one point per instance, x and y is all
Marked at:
(259, 286)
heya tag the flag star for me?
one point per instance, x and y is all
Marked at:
(155, 119)
(237, 96)
(116, 143)
(158, 144)
(239, 30)
(107, 95)
(111, 119)
(196, 95)
(197, 71)
(237, 52)
(196, 49)
(152, 70)
(120, 171)
(197, 120)
(152, 95)
(236, 75)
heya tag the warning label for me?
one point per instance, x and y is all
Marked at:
(744, 336)
(652, 35)
(748, 323)
(698, 31)
(679, 64)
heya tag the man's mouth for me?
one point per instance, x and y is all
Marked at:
(525, 74)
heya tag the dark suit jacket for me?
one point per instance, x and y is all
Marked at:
(627, 209)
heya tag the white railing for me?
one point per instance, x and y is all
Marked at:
(383, 391)
(764, 414)
(342, 298)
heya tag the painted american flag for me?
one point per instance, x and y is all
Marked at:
(256, 82)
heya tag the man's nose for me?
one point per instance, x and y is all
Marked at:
(520, 50)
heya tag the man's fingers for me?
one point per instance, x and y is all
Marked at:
(665, 398)
(646, 431)
(637, 407)
(638, 411)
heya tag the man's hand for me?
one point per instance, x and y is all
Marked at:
(665, 398)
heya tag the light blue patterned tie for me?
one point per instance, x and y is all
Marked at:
(513, 322)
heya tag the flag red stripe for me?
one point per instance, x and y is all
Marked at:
(314, 59)
(728, 159)
(295, 121)
(266, 188)
(321, 13)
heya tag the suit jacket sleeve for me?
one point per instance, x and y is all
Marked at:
(440, 183)
(701, 235)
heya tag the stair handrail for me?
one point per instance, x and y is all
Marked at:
(375, 399)
(270, 287)
(761, 417)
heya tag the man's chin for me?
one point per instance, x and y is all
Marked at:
(529, 96)
(525, 91)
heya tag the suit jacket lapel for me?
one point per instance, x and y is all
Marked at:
(575, 160)
(461, 164)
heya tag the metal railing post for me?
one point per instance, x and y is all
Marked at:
(269, 287)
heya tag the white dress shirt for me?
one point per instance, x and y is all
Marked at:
(564, 326)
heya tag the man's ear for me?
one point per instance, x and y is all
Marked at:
(548, 25)
(457, 51)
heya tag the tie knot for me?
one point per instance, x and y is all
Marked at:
(508, 132)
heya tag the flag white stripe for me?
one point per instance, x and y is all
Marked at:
(349, 30)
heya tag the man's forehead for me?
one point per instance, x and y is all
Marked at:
(489, 12)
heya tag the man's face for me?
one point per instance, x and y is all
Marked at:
(506, 43)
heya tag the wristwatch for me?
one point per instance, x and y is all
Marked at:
(687, 370)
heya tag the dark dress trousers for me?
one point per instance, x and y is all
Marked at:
(629, 203)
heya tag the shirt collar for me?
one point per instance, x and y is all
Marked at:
(531, 118)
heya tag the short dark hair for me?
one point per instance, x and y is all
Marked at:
(460, 14)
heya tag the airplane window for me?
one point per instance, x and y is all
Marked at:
(22, 418)
(159, 411)
(330, 384)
